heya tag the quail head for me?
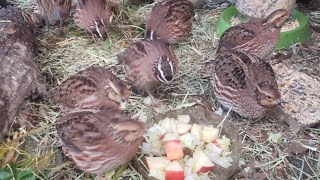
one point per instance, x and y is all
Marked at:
(93, 87)
(170, 21)
(54, 11)
(99, 140)
(245, 84)
(255, 37)
(94, 16)
(149, 63)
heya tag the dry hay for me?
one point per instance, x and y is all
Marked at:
(61, 56)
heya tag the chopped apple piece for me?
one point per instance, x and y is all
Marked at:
(183, 128)
(157, 162)
(224, 143)
(209, 134)
(174, 171)
(196, 132)
(157, 173)
(187, 141)
(174, 149)
(213, 148)
(217, 159)
(170, 137)
(169, 125)
(202, 163)
(184, 119)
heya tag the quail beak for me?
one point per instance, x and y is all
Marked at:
(123, 103)
(281, 102)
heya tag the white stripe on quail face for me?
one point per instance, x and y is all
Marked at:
(171, 66)
(151, 35)
(103, 22)
(97, 28)
(111, 18)
(161, 72)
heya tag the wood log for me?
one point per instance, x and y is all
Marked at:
(19, 76)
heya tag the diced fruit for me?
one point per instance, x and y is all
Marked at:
(174, 149)
(196, 132)
(212, 148)
(201, 162)
(169, 125)
(187, 141)
(209, 134)
(157, 162)
(174, 171)
(157, 173)
(184, 119)
(217, 159)
(170, 137)
(183, 128)
(224, 143)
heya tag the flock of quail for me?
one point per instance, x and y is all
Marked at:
(97, 135)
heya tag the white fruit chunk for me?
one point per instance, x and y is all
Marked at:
(201, 162)
(187, 141)
(157, 173)
(184, 119)
(224, 143)
(157, 162)
(183, 128)
(209, 134)
(169, 125)
(214, 149)
(196, 132)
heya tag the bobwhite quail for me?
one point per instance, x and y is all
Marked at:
(93, 87)
(245, 84)
(170, 21)
(54, 11)
(99, 140)
(149, 63)
(94, 16)
(255, 37)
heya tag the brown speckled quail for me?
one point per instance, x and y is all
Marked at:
(93, 87)
(149, 63)
(54, 11)
(99, 140)
(245, 83)
(170, 21)
(256, 37)
(94, 16)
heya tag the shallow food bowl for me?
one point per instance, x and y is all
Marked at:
(299, 34)
(200, 116)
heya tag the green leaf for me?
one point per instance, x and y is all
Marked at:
(5, 174)
(26, 174)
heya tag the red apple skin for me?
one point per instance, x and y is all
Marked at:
(174, 150)
(174, 175)
(205, 169)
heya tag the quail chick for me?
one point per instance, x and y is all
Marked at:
(54, 11)
(170, 21)
(255, 37)
(94, 16)
(149, 63)
(93, 87)
(245, 84)
(99, 140)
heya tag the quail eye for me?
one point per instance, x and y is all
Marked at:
(269, 97)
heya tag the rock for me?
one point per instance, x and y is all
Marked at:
(19, 76)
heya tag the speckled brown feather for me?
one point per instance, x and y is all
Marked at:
(255, 37)
(140, 59)
(88, 10)
(54, 11)
(95, 139)
(236, 75)
(170, 20)
(88, 88)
